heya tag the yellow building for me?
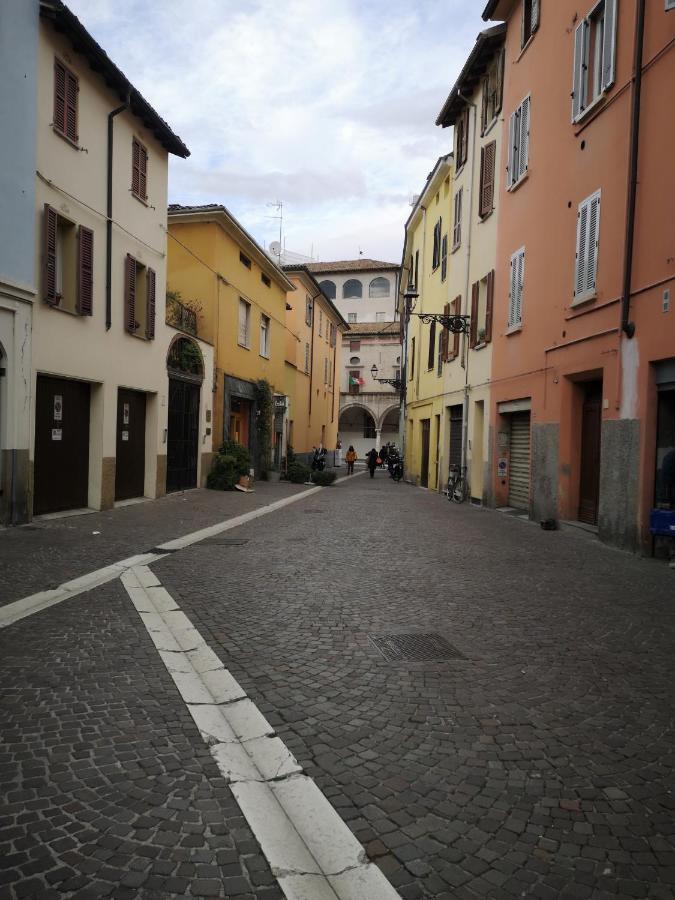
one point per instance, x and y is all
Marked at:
(312, 354)
(427, 347)
(239, 296)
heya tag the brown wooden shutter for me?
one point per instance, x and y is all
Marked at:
(484, 104)
(456, 311)
(487, 178)
(135, 167)
(72, 88)
(49, 255)
(150, 311)
(489, 305)
(473, 324)
(500, 80)
(85, 271)
(130, 294)
(445, 343)
(465, 154)
(143, 172)
(59, 96)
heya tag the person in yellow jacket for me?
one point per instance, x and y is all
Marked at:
(350, 459)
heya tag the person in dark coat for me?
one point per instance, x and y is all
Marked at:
(371, 459)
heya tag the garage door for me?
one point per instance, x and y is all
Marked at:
(61, 445)
(130, 455)
(519, 463)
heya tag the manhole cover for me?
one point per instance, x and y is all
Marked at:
(396, 647)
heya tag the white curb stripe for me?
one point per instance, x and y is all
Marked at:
(311, 851)
(19, 609)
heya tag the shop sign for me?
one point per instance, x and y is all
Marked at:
(502, 467)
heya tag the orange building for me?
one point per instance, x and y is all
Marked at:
(583, 371)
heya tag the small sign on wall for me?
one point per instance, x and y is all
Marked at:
(58, 408)
(57, 434)
(125, 435)
(125, 414)
(502, 467)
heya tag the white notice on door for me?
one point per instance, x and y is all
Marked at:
(56, 434)
(58, 408)
(125, 435)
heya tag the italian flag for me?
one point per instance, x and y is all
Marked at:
(356, 379)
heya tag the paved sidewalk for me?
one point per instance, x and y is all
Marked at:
(49, 551)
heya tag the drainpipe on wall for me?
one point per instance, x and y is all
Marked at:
(311, 365)
(465, 403)
(109, 212)
(627, 326)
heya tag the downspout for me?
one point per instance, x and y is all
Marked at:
(465, 403)
(109, 212)
(311, 364)
(627, 326)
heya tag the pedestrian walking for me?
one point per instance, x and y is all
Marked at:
(338, 452)
(350, 459)
(372, 458)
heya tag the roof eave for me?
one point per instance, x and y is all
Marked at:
(314, 284)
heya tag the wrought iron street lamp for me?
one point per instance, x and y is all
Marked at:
(396, 383)
(455, 324)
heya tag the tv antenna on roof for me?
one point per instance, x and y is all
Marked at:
(276, 246)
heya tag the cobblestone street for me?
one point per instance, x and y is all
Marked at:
(535, 761)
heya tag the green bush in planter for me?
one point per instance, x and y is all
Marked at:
(323, 479)
(230, 464)
(298, 473)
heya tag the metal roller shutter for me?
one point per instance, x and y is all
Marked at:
(519, 464)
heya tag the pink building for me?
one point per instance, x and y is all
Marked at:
(583, 396)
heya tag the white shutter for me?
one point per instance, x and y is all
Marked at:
(582, 237)
(588, 235)
(534, 16)
(524, 145)
(516, 288)
(593, 241)
(670, 4)
(580, 69)
(510, 172)
(243, 323)
(609, 44)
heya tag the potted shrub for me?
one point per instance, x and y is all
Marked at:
(298, 473)
(230, 467)
(323, 479)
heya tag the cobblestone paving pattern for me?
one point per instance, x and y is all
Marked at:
(106, 788)
(540, 765)
(48, 552)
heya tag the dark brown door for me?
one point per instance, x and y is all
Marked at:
(130, 455)
(424, 474)
(61, 445)
(589, 480)
(456, 435)
(183, 435)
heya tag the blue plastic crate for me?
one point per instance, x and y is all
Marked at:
(662, 521)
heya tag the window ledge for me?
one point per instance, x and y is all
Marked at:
(65, 309)
(591, 108)
(139, 198)
(74, 144)
(584, 298)
(517, 184)
(135, 334)
(514, 329)
(243, 346)
(490, 126)
(265, 355)
(456, 247)
(481, 346)
(484, 218)
(524, 47)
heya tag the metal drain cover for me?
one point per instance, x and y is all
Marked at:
(414, 647)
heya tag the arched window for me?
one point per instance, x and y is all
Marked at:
(379, 287)
(352, 289)
(328, 288)
(184, 360)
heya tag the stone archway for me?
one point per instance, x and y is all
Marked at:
(357, 428)
(389, 425)
(185, 367)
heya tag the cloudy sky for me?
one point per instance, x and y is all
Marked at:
(327, 105)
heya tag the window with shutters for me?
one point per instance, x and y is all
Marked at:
(530, 20)
(492, 92)
(670, 4)
(351, 318)
(353, 379)
(139, 170)
(320, 323)
(519, 144)
(308, 310)
(588, 235)
(139, 298)
(461, 138)
(265, 336)
(412, 358)
(436, 254)
(455, 310)
(432, 346)
(516, 283)
(67, 264)
(457, 220)
(594, 56)
(244, 325)
(325, 371)
(306, 358)
(66, 91)
(482, 302)
(488, 155)
(444, 257)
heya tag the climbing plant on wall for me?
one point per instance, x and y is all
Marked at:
(265, 411)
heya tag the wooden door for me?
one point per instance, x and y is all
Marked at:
(61, 469)
(589, 476)
(424, 474)
(130, 455)
(456, 415)
(183, 435)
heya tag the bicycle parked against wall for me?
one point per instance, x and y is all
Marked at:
(457, 484)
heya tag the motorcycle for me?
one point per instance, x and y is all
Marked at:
(319, 461)
(395, 464)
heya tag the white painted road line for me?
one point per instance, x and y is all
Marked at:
(311, 851)
(19, 609)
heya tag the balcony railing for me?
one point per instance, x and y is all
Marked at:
(180, 316)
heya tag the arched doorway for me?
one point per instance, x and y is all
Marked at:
(185, 367)
(390, 427)
(357, 429)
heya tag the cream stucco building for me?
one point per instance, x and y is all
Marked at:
(115, 392)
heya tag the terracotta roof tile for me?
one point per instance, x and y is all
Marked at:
(351, 265)
(388, 328)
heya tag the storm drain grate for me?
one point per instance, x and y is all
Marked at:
(414, 647)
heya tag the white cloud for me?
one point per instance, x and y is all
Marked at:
(328, 105)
